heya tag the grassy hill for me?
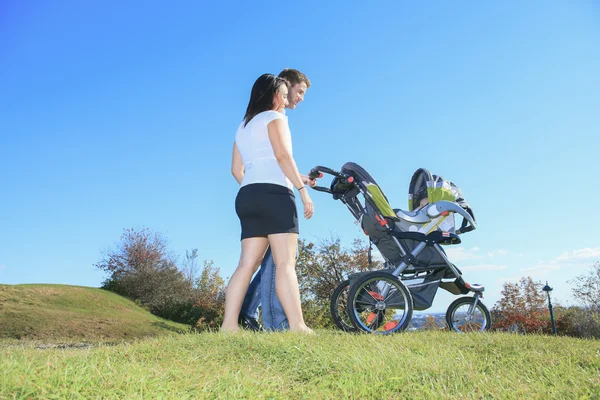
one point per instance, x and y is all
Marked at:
(62, 312)
(328, 365)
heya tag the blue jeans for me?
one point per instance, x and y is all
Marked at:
(261, 292)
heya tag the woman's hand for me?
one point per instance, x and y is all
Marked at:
(309, 207)
(307, 181)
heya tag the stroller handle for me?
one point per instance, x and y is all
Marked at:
(317, 172)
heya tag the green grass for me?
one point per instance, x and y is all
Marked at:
(74, 313)
(148, 357)
(329, 364)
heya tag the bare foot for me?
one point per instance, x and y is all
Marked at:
(303, 329)
(225, 329)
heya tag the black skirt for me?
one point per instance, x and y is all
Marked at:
(265, 209)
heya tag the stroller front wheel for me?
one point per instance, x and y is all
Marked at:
(461, 316)
(380, 302)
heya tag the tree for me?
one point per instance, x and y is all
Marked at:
(141, 268)
(209, 298)
(190, 268)
(584, 321)
(522, 307)
(321, 268)
(430, 323)
(324, 267)
(587, 287)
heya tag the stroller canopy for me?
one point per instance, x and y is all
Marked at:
(424, 185)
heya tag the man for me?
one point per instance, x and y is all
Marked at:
(261, 291)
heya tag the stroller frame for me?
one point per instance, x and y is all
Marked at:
(377, 216)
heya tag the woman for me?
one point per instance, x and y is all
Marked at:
(264, 167)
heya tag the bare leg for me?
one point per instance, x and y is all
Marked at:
(283, 246)
(253, 251)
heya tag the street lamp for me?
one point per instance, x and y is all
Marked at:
(548, 289)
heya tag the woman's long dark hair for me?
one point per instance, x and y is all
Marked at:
(261, 97)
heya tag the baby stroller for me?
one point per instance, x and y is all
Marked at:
(415, 264)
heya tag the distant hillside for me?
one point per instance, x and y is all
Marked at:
(419, 320)
(46, 312)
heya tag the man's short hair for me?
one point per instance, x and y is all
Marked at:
(293, 76)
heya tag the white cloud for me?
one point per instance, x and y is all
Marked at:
(483, 267)
(566, 260)
(581, 254)
(512, 279)
(458, 254)
(541, 268)
(500, 252)
(503, 253)
(376, 256)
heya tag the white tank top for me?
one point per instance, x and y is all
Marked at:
(260, 164)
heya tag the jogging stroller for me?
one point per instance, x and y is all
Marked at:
(415, 264)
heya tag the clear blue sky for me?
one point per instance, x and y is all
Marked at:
(121, 115)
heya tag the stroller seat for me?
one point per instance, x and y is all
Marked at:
(429, 210)
(427, 219)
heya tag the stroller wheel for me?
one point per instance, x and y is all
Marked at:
(380, 302)
(461, 316)
(339, 307)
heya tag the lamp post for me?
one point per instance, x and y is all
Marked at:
(548, 289)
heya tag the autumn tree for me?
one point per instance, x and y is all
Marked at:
(320, 268)
(584, 321)
(209, 298)
(430, 323)
(586, 288)
(190, 268)
(142, 269)
(522, 307)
